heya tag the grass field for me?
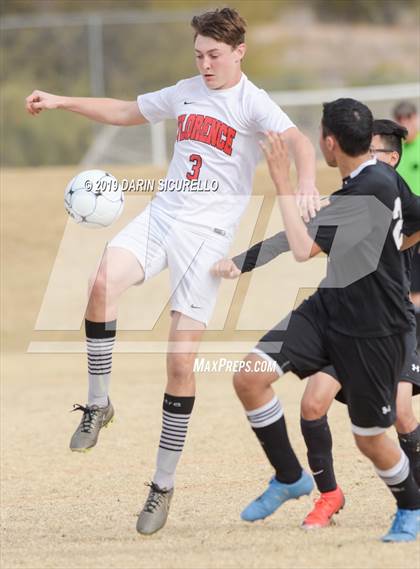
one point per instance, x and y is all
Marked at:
(63, 510)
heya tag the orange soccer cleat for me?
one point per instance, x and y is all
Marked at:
(328, 504)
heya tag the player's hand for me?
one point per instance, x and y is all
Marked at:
(226, 269)
(308, 200)
(39, 101)
(277, 155)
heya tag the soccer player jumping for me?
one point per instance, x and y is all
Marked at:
(220, 116)
(356, 320)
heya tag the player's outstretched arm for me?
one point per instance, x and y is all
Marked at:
(301, 244)
(108, 111)
(303, 153)
(256, 256)
(265, 251)
(262, 253)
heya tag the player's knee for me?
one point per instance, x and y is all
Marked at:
(312, 408)
(405, 421)
(241, 382)
(102, 285)
(245, 382)
(180, 368)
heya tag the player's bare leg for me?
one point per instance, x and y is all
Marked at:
(265, 414)
(184, 338)
(321, 388)
(119, 269)
(408, 427)
(380, 449)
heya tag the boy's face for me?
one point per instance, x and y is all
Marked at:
(218, 63)
(379, 151)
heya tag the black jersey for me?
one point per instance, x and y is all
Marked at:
(363, 292)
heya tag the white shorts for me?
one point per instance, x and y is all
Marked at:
(188, 250)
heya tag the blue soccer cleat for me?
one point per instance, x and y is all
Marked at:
(405, 526)
(276, 494)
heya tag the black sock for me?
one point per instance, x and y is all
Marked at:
(269, 425)
(410, 443)
(318, 441)
(407, 493)
(400, 481)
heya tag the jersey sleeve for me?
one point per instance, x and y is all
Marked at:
(348, 215)
(410, 204)
(158, 105)
(262, 253)
(267, 115)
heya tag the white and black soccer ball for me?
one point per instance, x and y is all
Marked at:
(94, 198)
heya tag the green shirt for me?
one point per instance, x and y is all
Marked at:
(409, 167)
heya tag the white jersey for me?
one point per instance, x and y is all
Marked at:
(210, 177)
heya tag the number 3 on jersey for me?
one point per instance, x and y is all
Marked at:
(397, 231)
(197, 162)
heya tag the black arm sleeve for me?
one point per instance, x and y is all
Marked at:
(262, 252)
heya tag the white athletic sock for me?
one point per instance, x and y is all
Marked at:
(176, 415)
(265, 415)
(100, 340)
(397, 474)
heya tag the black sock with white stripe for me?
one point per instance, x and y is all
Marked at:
(176, 415)
(400, 481)
(100, 339)
(269, 425)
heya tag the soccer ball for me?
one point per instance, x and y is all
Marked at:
(94, 198)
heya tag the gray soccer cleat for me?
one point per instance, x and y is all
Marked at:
(156, 509)
(94, 418)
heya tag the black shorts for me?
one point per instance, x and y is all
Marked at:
(367, 368)
(415, 271)
(410, 370)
